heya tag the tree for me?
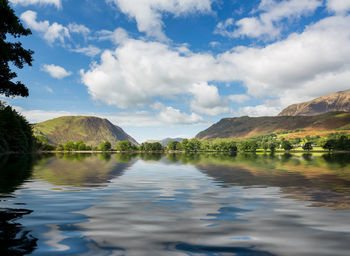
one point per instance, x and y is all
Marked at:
(253, 145)
(69, 146)
(244, 146)
(286, 145)
(232, 146)
(343, 143)
(11, 52)
(265, 146)
(105, 146)
(15, 132)
(148, 146)
(178, 146)
(173, 145)
(60, 147)
(227, 146)
(80, 145)
(248, 145)
(184, 144)
(142, 147)
(330, 144)
(124, 145)
(206, 145)
(156, 146)
(307, 146)
(193, 145)
(272, 146)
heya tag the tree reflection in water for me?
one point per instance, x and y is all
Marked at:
(14, 238)
(14, 170)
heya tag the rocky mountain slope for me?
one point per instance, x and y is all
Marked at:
(92, 130)
(339, 101)
(240, 127)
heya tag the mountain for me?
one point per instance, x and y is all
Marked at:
(339, 101)
(240, 127)
(92, 130)
(165, 141)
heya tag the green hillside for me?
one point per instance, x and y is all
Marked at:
(242, 127)
(91, 130)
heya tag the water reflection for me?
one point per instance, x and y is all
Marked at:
(323, 180)
(165, 206)
(214, 250)
(14, 238)
(81, 170)
(14, 170)
(175, 204)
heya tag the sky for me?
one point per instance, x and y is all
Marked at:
(172, 68)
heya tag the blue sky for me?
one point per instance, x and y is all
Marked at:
(169, 68)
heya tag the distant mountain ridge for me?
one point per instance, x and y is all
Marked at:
(92, 130)
(241, 127)
(339, 101)
(328, 113)
(165, 141)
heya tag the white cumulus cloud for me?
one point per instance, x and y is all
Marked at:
(117, 36)
(302, 66)
(56, 71)
(338, 6)
(37, 116)
(167, 116)
(89, 50)
(79, 29)
(207, 100)
(57, 3)
(171, 115)
(148, 13)
(138, 71)
(51, 33)
(55, 31)
(239, 98)
(259, 110)
(267, 23)
(298, 64)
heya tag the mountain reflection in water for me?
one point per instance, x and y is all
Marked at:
(81, 170)
(175, 204)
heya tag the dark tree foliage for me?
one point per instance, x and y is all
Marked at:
(191, 145)
(70, 146)
(105, 146)
(339, 142)
(15, 132)
(343, 143)
(248, 145)
(307, 146)
(173, 145)
(286, 145)
(272, 146)
(12, 52)
(123, 145)
(156, 146)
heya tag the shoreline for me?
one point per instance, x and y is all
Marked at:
(175, 151)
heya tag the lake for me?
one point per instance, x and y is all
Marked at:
(175, 204)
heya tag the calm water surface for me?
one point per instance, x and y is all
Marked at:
(175, 204)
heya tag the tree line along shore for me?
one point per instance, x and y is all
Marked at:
(16, 135)
(266, 143)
